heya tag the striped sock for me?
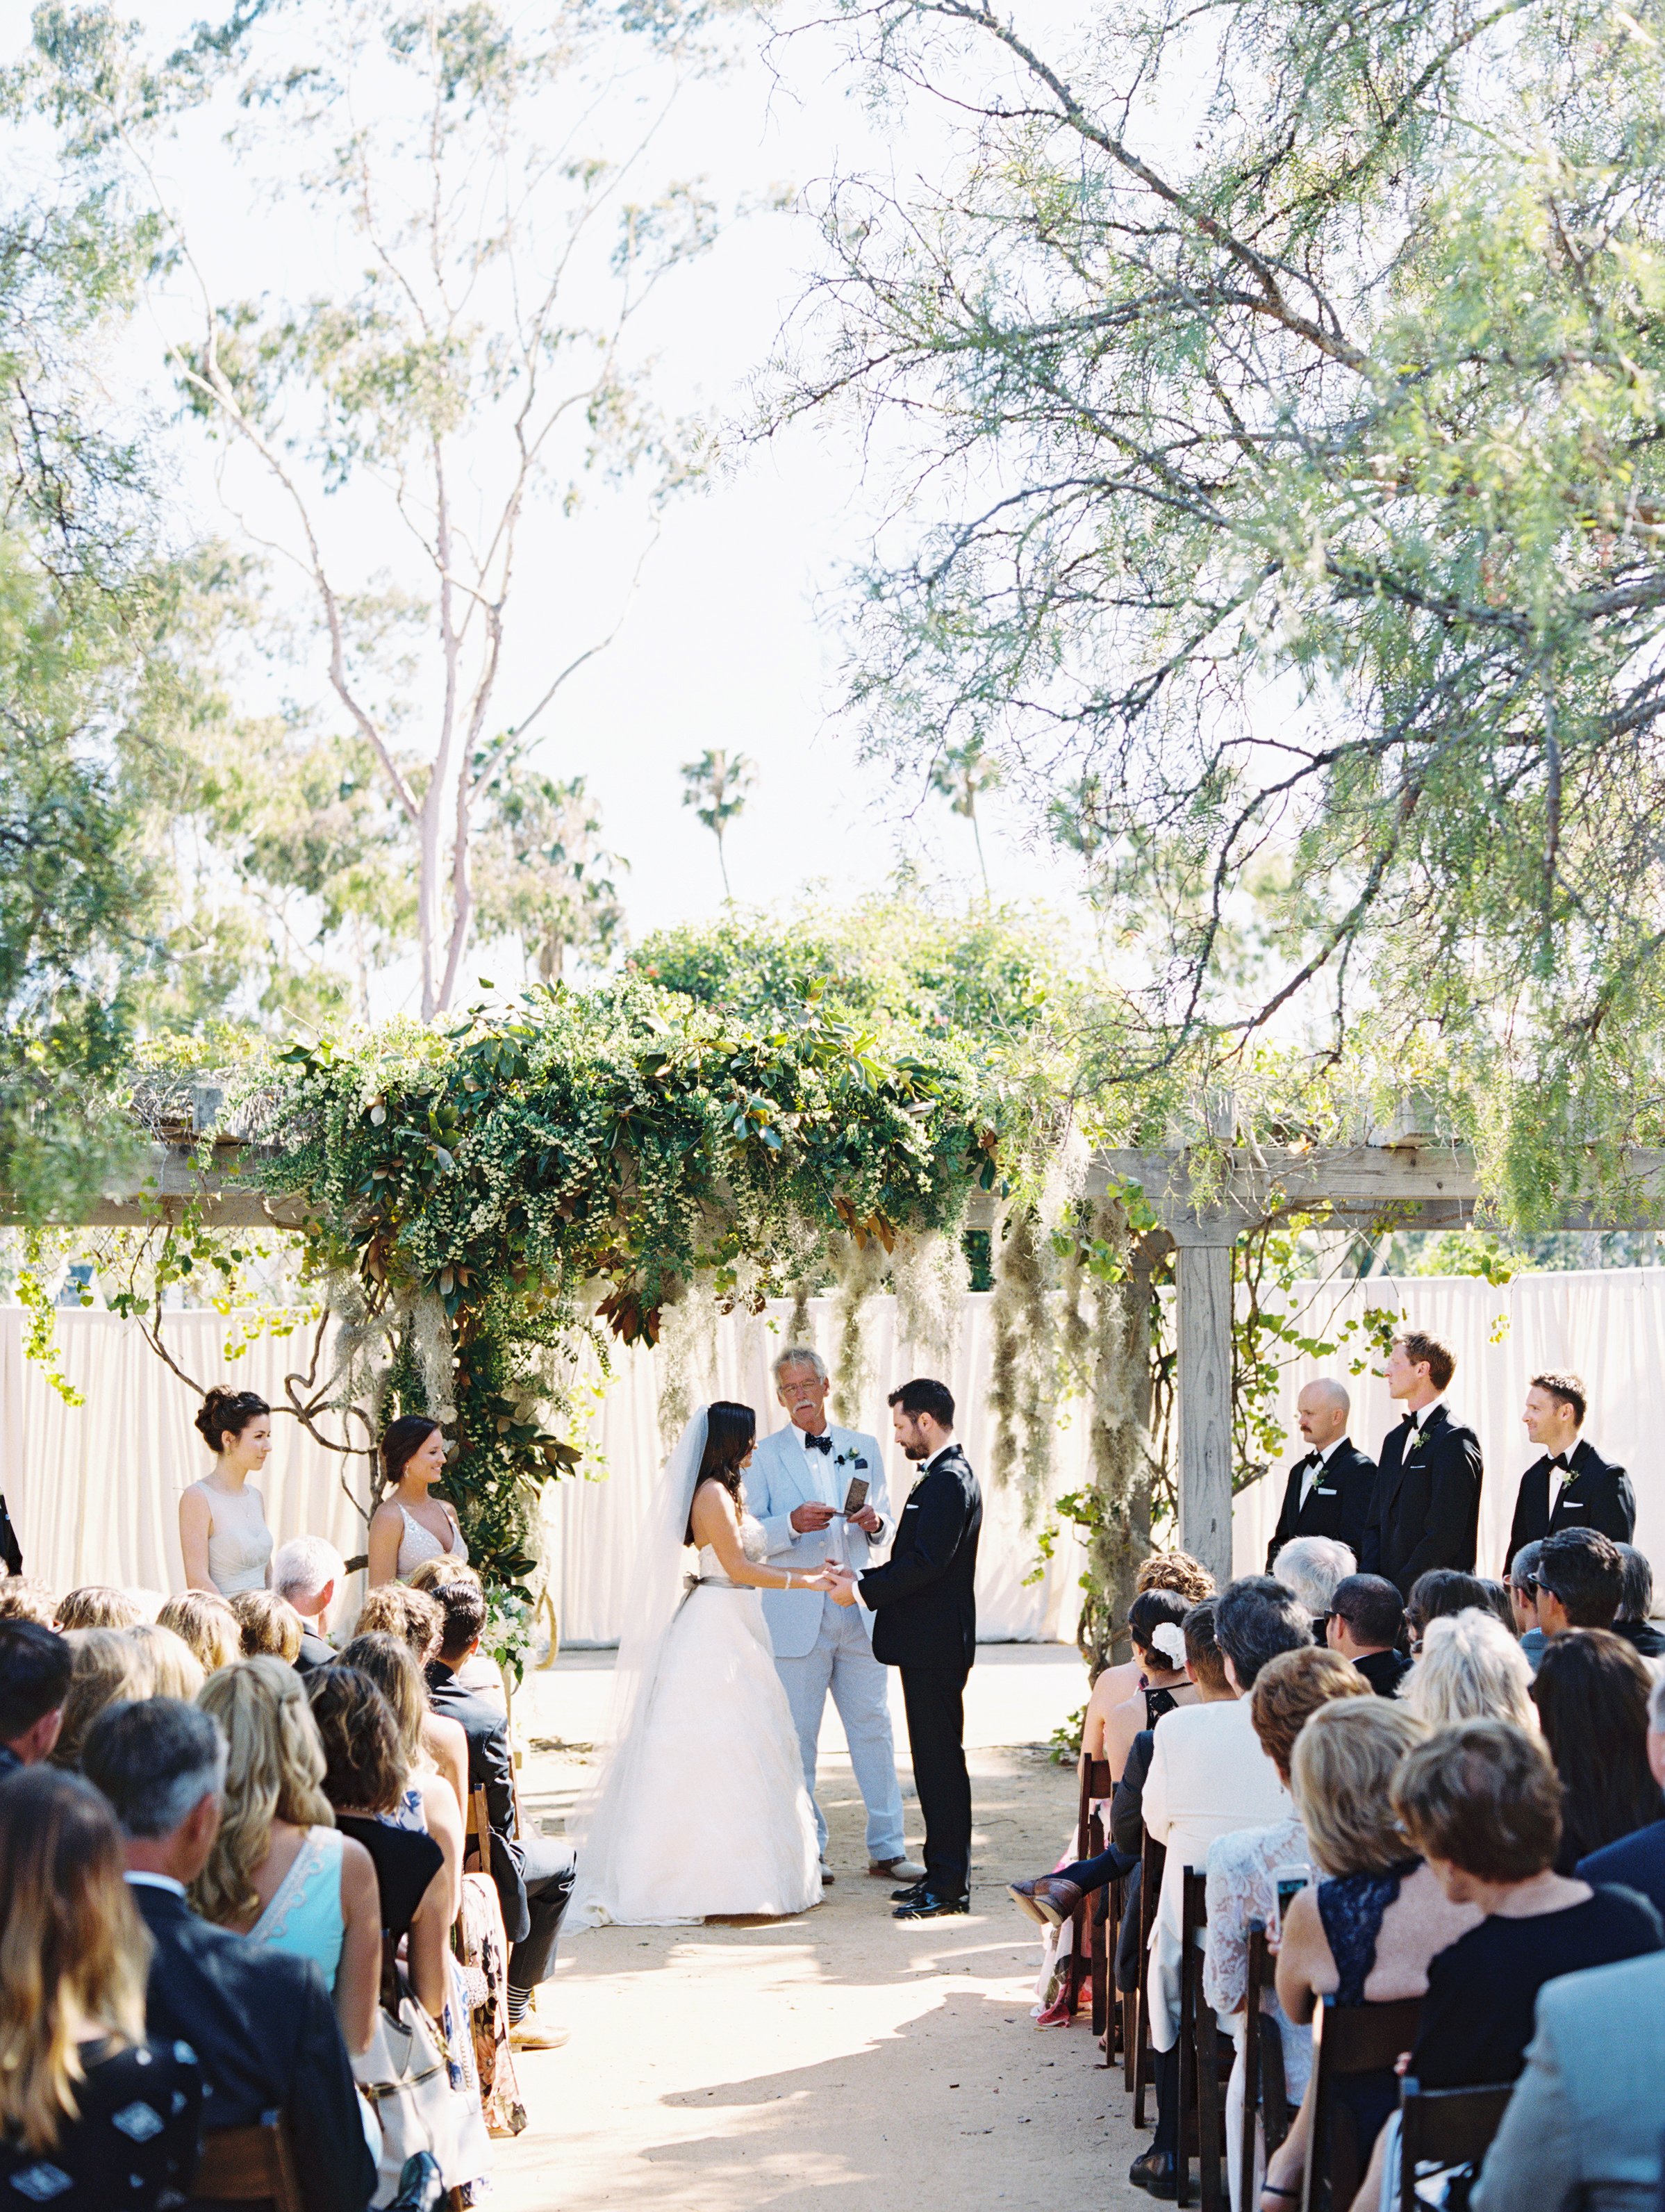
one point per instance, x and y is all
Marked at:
(520, 2004)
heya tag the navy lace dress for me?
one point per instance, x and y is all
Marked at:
(134, 2144)
(1351, 1908)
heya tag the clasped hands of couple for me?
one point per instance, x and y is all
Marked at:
(838, 1580)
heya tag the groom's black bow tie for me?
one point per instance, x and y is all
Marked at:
(822, 1443)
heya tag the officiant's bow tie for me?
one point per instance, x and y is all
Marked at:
(822, 1443)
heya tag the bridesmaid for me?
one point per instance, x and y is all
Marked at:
(222, 1523)
(410, 1525)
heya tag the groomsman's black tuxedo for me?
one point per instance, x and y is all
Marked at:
(1596, 1494)
(1337, 1504)
(1425, 1508)
(925, 1623)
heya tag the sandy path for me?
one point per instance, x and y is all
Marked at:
(842, 2057)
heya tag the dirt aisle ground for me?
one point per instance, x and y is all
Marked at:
(842, 2058)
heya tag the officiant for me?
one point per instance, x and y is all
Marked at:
(799, 1485)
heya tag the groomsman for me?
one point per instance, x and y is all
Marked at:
(1425, 1508)
(1328, 1492)
(926, 1625)
(797, 1485)
(1571, 1486)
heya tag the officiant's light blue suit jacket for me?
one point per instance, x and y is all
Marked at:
(777, 1482)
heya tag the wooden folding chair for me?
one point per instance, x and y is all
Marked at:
(1107, 2012)
(1201, 2085)
(1348, 2040)
(250, 2166)
(1445, 2127)
(1265, 2094)
(1150, 1892)
(476, 1834)
(1087, 1929)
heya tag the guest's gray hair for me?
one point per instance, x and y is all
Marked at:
(1471, 1669)
(303, 1566)
(800, 1355)
(1312, 1566)
(155, 1759)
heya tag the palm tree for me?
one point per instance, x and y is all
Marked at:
(715, 785)
(960, 773)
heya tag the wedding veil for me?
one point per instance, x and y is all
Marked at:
(657, 1589)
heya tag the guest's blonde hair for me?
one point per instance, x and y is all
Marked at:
(21, 1599)
(1471, 1669)
(391, 1665)
(274, 1771)
(269, 1623)
(414, 1616)
(1177, 1571)
(176, 1670)
(99, 1605)
(74, 1952)
(434, 1574)
(208, 1625)
(109, 1668)
(1341, 1777)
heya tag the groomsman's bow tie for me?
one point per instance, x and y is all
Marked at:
(822, 1443)
(1561, 1460)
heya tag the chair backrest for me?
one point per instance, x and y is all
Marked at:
(1348, 2040)
(1453, 2127)
(476, 1833)
(250, 2166)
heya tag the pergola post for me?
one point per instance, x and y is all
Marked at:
(1202, 1275)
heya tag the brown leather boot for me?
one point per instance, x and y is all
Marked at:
(1049, 1900)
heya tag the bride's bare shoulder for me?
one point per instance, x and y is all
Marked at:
(716, 1497)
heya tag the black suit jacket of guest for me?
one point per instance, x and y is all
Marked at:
(924, 1597)
(1384, 1671)
(1596, 1494)
(490, 1768)
(1426, 1509)
(264, 2026)
(1337, 1504)
(314, 1652)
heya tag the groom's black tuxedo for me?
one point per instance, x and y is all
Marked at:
(924, 1622)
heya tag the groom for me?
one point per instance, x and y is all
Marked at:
(797, 1485)
(925, 1600)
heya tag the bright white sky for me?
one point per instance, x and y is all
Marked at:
(733, 637)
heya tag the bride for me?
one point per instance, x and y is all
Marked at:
(702, 1808)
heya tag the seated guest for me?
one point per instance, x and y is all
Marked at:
(483, 1676)
(98, 1605)
(1638, 1861)
(1583, 2127)
(1208, 1776)
(175, 1670)
(1163, 1681)
(1634, 1621)
(91, 2113)
(109, 1665)
(1244, 1866)
(23, 1600)
(1581, 1580)
(1498, 1604)
(203, 1620)
(533, 1874)
(1442, 1591)
(1328, 1491)
(280, 1871)
(36, 1667)
(426, 1799)
(1592, 1694)
(260, 2021)
(1523, 1602)
(1471, 1669)
(1366, 1620)
(1312, 1566)
(1171, 1570)
(1480, 1802)
(1365, 1933)
(270, 1624)
(310, 1573)
(418, 1619)
(364, 1776)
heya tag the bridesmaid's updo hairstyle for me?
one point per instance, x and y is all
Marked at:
(730, 1432)
(225, 1413)
(400, 1439)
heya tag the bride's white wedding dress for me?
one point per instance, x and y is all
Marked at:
(702, 1810)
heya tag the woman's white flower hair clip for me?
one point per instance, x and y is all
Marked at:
(1169, 1638)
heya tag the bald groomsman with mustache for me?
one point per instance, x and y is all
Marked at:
(1328, 1492)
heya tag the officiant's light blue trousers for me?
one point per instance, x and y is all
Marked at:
(842, 1661)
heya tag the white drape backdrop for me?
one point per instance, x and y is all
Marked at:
(1607, 1325)
(94, 1490)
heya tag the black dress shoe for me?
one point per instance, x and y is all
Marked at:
(928, 1905)
(1157, 2171)
(907, 1896)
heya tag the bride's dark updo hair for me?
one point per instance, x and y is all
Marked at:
(730, 1432)
(225, 1413)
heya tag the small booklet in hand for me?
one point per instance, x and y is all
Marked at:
(856, 1496)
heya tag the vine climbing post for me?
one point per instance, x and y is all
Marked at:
(1202, 1272)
